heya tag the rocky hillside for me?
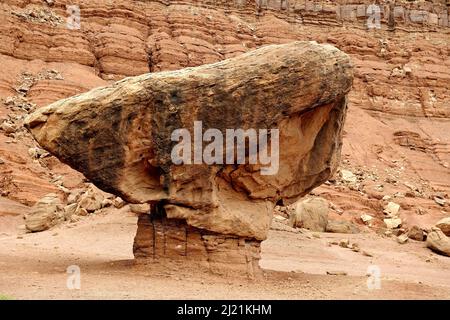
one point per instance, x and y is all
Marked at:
(396, 143)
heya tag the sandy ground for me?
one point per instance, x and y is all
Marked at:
(34, 266)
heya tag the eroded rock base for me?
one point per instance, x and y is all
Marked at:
(159, 238)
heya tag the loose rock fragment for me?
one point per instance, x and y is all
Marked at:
(391, 209)
(341, 227)
(402, 239)
(344, 243)
(311, 214)
(416, 233)
(140, 208)
(348, 176)
(421, 211)
(118, 202)
(74, 196)
(69, 211)
(46, 213)
(366, 253)
(7, 127)
(366, 218)
(336, 273)
(440, 201)
(91, 200)
(37, 153)
(80, 211)
(106, 203)
(444, 225)
(393, 223)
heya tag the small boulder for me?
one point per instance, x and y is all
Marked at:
(355, 247)
(421, 211)
(402, 239)
(341, 227)
(46, 213)
(142, 208)
(7, 127)
(444, 225)
(416, 233)
(118, 202)
(391, 209)
(69, 210)
(366, 218)
(344, 243)
(91, 200)
(311, 214)
(106, 203)
(348, 176)
(393, 223)
(37, 153)
(81, 212)
(440, 201)
(438, 242)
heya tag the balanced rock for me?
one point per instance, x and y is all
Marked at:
(121, 137)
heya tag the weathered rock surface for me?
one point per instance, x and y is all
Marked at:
(120, 136)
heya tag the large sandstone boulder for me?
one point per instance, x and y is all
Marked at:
(120, 138)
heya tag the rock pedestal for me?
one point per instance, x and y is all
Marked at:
(159, 238)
